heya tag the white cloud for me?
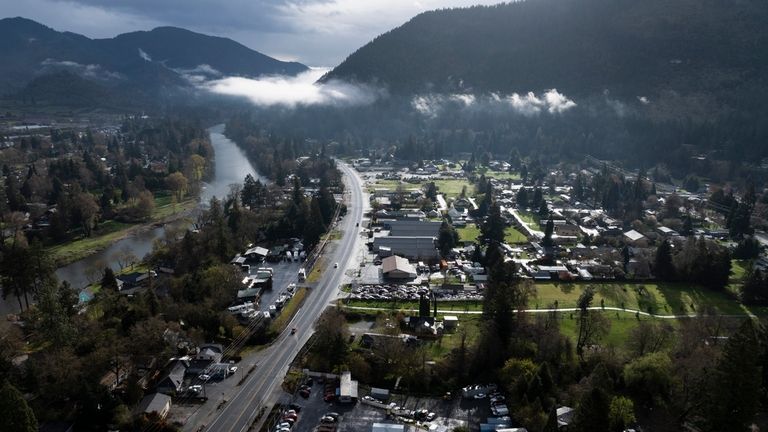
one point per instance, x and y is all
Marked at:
(556, 102)
(529, 104)
(143, 54)
(300, 90)
(90, 70)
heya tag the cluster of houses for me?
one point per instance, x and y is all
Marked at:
(586, 243)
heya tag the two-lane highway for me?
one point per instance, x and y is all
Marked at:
(238, 414)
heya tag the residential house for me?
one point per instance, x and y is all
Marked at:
(155, 403)
(172, 378)
(208, 355)
(634, 238)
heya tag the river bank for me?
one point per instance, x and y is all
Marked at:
(70, 252)
(81, 257)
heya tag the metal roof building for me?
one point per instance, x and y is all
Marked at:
(416, 248)
(396, 267)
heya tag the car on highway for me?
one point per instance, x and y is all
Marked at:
(335, 265)
(293, 331)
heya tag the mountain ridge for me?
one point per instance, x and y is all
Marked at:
(154, 61)
(581, 47)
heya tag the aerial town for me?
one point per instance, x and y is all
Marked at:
(530, 216)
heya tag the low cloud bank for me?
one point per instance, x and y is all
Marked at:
(288, 91)
(529, 104)
(93, 71)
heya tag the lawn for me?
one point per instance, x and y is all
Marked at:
(621, 326)
(511, 235)
(453, 188)
(472, 231)
(503, 175)
(469, 325)
(165, 207)
(108, 233)
(738, 270)
(317, 270)
(289, 310)
(335, 235)
(658, 298)
(468, 233)
(530, 218)
(388, 184)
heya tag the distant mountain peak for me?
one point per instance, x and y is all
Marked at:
(154, 59)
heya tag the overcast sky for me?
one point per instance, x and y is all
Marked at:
(314, 32)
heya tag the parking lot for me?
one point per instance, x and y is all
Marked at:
(360, 417)
(285, 273)
(405, 293)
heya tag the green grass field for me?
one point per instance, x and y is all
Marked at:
(468, 233)
(658, 298)
(472, 231)
(108, 233)
(502, 175)
(512, 236)
(452, 188)
(621, 326)
(531, 219)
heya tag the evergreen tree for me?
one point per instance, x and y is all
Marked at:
(735, 395)
(552, 425)
(548, 231)
(447, 238)
(592, 414)
(522, 198)
(108, 281)
(493, 228)
(663, 267)
(15, 414)
(543, 209)
(754, 290)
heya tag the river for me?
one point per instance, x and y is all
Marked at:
(231, 166)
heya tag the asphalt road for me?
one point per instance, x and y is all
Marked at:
(241, 409)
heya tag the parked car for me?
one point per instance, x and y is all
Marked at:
(304, 393)
(295, 407)
(327, 419)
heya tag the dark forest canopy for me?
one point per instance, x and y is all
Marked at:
(581, 47)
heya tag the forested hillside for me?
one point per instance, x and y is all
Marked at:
(580, 47)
